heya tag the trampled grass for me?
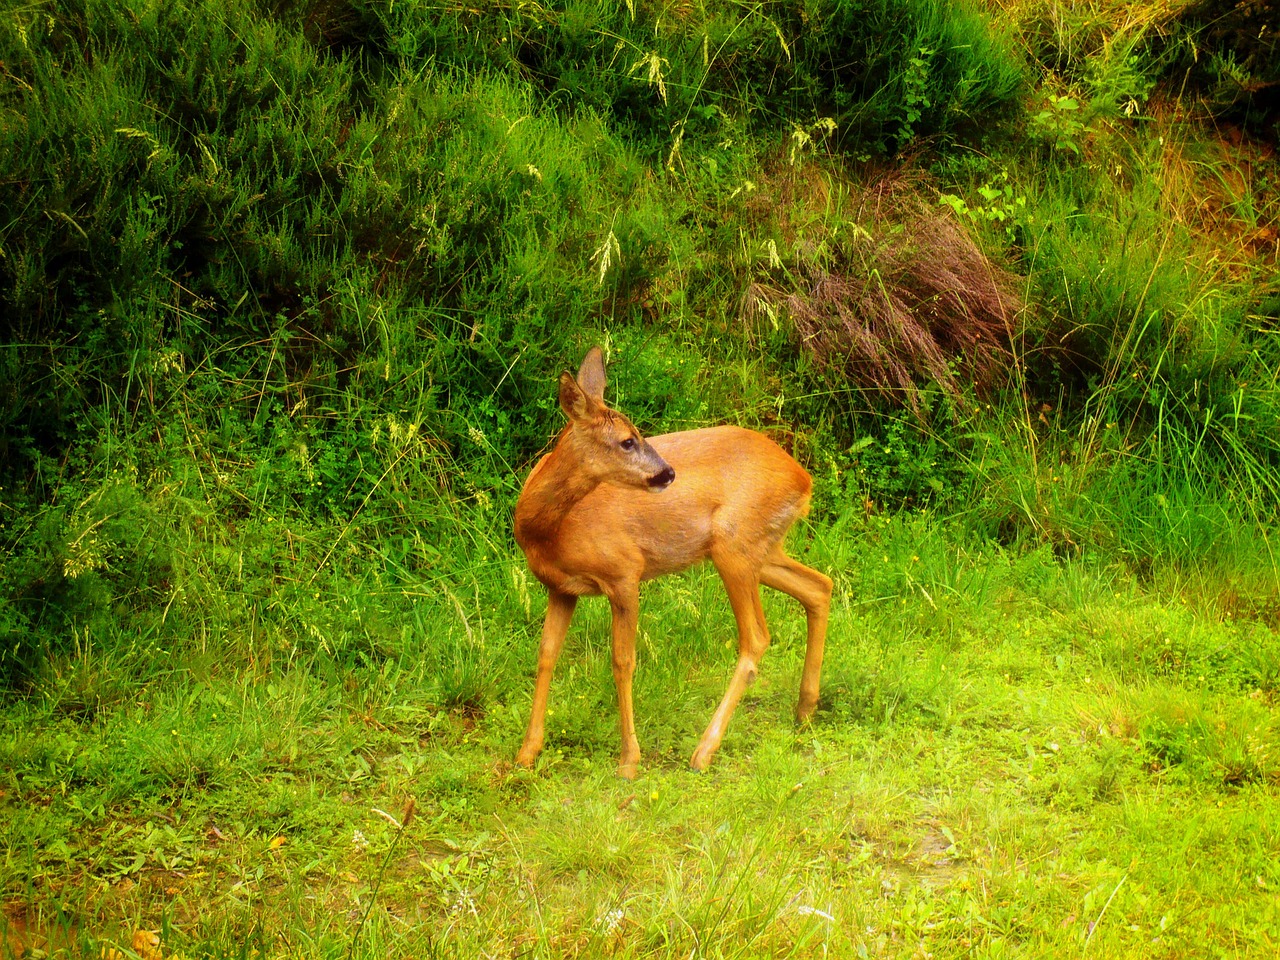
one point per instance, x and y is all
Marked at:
(1014, 756)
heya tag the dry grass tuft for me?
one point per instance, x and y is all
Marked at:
(909, 300)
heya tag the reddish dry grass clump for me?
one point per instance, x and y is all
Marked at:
(912, 300)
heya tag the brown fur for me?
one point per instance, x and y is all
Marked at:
(590, 522)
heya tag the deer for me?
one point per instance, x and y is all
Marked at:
(607, 509)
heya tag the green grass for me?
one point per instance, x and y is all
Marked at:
(1013, 756)
(284, 289)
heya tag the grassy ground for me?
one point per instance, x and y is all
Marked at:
(284, 289)
(1015, 756)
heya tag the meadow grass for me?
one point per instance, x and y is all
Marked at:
(1014, 755)
(285, 289)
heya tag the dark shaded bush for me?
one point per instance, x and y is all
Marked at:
(1231, 53)
(886, 72)
(889, 73)
(210, 186)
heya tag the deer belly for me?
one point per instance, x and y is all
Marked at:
(670, 548)
(550, 568)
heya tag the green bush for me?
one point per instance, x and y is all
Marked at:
(887, 73)
(1230, 51)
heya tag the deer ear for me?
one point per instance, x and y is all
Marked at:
(591, 375)
(573, 401)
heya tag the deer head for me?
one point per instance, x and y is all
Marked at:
(606, 444)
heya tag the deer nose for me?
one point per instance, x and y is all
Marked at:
(663, 479)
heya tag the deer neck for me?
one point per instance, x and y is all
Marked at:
(556, 485)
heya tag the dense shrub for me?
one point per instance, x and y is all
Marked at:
(886, 73)
(1231, 52)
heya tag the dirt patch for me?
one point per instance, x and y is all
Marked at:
(24, 932)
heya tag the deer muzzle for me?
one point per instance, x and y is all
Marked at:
(662, 479)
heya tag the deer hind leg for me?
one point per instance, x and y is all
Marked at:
(559, 612)
(625, 604)
(743, 586)
(813, 590)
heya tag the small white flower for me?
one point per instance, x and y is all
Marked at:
(608, 923)
(358, 841)
(806, 911)
(462, 903)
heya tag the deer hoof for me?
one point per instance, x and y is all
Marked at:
(627, 771)
(701, 760)
(526, 757)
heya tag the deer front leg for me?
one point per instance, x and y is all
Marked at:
(625, 604)
(559, 612)
(753, 637)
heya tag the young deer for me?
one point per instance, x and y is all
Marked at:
(606, 509)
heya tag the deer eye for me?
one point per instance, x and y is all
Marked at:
(628, 444)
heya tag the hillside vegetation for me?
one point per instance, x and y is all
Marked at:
(285, 286)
